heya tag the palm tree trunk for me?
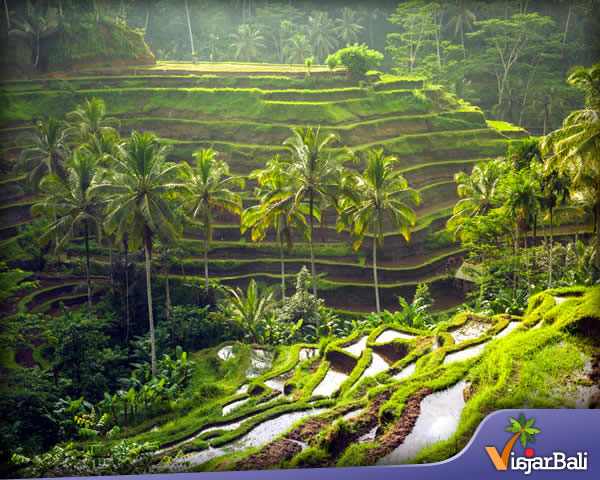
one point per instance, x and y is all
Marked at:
(375, 275)
(515, 263)
(567, 27)
(187, 13)
(112, 270)
(282, 266)
(150, 315)
(7, 14)
(87, 272)
(527, 264)
(551, 240)
(37, 49)
(206, 266)
(597, 227)
(126, 247)
(312, 258)
(147, 18)
(167, 291)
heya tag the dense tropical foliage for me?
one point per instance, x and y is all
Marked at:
(124, 225)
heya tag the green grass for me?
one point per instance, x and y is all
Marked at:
(504, 126)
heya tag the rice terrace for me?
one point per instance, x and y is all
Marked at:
(269, 235)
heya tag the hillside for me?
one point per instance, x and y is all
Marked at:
(244, 112)
(384, 395)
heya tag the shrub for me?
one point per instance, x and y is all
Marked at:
(358, 59)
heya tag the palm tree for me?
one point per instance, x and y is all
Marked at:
(555, 187)
(209, 186)
(187, 15)
(320, 29)
(140, 202)
(277, 208)
(90, 121)
(585, 201)
(297, 49)
(519, 191)
(46, 150)
(105, 148)
(371, 15)
(379, 193)
(463, 18)
(74, 206)
(35, 25)
(576, 146)
(247, 43)
(314, 172)
(248, 309)
(477, 191)
(348, 27)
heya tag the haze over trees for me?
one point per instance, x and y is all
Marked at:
(218, 214)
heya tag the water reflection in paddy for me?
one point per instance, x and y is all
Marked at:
(258, 436)
(389, 335)
(438, 420)
(330, 383)
(465, 353)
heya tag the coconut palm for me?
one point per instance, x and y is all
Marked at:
(141, 204)
(314, 173)
(320, 30)
(46, 149)
(576, 146)
(247, 43)
(89, 120)
(462, 19)
(35, 25)
(208, 186)
(277, 209)
(477, 191)
(520, 194)
(378, 193)
(73, 206)
(555, 188)
(347, 26)
(297, 49)
(371, 15)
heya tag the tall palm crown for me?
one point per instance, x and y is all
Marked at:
(463, 18)
(277, 209)
(140, 193)
(477, 191)
(72, 205)
(247, 43)
(297, 49)
(209, 187)
(320, 29)
(48, 147)
(89, 119)
(347, 26)
(106, 148)
(520, 194)
(378, 193)
(314, 171)
(140, 203)
(576, 146)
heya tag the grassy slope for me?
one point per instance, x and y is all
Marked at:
(247, 115)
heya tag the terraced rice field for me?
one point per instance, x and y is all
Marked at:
(383, 396)
(244, 112)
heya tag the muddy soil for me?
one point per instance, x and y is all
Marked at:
(395, 435)
(391, 352)
(270, 455)
(341, 362)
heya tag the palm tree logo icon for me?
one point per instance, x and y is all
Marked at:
(521, 428)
